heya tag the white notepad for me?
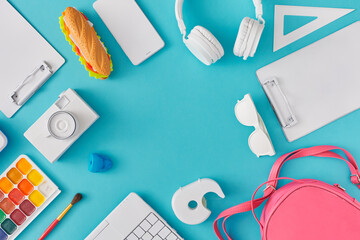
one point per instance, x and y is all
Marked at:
(22, 50)
(317, 84)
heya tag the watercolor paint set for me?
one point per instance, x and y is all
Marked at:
(24, 192)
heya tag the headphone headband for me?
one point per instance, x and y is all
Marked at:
(179, 16)
(181, 24)
(258, 8)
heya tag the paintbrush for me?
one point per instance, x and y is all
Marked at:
(75, 200)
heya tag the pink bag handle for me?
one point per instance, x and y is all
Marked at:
(318, 151)
(254, 194)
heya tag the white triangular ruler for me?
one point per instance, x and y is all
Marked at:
(324, 17)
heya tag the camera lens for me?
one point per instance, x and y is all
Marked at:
(62, 125)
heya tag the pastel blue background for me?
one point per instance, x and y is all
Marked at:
(170, 120)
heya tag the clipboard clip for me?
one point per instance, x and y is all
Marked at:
(279, 103)
(37, 78)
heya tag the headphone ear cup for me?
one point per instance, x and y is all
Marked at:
(242, 36)
(197, 49)
(248, 38)
(249, 51)
(204, 45)
(215, 44)
(256, 39)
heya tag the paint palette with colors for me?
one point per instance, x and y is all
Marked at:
(24, 192)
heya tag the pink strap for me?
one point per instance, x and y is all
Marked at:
(318, 151)
(244, 207)
(253, 196)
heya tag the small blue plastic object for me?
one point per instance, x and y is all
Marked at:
(99, 163)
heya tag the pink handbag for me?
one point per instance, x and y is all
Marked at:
(304, 209)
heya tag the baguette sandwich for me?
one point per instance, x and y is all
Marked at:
(81, 35)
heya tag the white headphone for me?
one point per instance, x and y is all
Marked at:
(208, 49)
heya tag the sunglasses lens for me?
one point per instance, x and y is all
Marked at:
(260, 144)
(245, 111)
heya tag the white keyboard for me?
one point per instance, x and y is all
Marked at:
(133, 219)
(152, 228)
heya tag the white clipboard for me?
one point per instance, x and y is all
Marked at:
(27, 60)
(315, 85)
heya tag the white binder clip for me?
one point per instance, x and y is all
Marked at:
(189, 203)
(31, 84)
(279, 103)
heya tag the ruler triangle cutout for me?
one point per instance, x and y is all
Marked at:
(324, 17)
(292, 23)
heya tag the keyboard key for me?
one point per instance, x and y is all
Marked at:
(157, 238)
(156, 228)
(171, 237)
(145, 225)
(152, 219)
(139, 232)
(147, 236)
(132, 236)
(164, 232)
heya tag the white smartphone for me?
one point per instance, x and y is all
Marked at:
(130, 27)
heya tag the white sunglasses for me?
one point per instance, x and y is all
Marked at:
(259, 140)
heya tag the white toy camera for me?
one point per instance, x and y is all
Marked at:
(61, 125)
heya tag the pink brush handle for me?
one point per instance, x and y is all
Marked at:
(49, 229)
